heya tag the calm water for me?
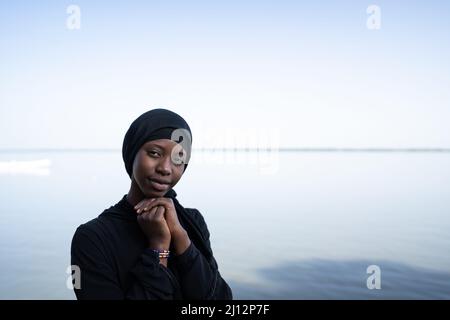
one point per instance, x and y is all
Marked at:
(299, 225)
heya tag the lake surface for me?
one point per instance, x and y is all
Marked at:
(291, 225)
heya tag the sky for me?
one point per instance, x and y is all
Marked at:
(287, 73)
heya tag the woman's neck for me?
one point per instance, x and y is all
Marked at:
(135, 194)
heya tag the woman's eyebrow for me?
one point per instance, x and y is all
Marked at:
(152, 144)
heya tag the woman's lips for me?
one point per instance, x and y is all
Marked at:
(158, 186)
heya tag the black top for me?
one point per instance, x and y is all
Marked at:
(116, 263)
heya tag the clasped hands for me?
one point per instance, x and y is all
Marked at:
(158, 219)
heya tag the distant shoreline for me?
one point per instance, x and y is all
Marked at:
(301, 149)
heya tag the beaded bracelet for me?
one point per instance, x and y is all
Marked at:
(162, 254)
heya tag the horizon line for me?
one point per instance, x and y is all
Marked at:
(266, 149)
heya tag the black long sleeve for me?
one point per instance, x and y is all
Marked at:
(100, 281)
(194, 269)
(115, 263)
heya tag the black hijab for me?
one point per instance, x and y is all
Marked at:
(152, 125)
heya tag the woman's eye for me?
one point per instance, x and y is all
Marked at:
(153, 153)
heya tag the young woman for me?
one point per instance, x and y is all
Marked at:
(148, 246)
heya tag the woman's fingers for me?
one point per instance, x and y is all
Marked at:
(142, 204)
(149, 211)
(165, 202)
(148, 204)
(156, 213)
(159, 212)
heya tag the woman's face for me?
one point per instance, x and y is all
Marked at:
(156, 169)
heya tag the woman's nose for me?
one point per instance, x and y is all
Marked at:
(164, 166)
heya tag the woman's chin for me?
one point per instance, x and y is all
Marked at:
(151, 193)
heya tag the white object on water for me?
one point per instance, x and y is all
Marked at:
(30, 167)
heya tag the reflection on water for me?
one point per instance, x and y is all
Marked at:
(331, 279)
(307, 230)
